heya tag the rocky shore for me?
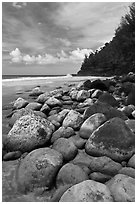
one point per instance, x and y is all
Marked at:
(72, 144)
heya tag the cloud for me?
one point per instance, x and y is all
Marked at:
(19, 5)
(73, 56)
(65, 42)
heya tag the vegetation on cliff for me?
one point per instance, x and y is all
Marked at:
(118, 56)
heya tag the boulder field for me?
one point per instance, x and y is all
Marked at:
(72, 145)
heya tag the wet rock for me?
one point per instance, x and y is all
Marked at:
(122, 188)
(52, 102)
(62, 132)
(20, 103)
(99, 177)
(36, 92)
(131, 162)
(34, 106)
(70, 174)
(28, 133)
(73, 119)
(87, 191)
(109, 99)
(66, 148)
(113, 139)
(127, 171)
(38, 169)
(104, 165)
(82, 95)
(91, 124)
(12, 155)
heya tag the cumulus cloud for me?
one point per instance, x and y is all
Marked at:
(19, 5)
(73, 56)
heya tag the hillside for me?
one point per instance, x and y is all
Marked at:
(118, 56)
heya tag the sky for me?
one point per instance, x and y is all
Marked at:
(52, 38)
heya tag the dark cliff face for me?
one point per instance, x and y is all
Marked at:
(118, 56)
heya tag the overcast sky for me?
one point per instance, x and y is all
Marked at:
(53, 37)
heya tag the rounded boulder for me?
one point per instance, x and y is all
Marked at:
(38, 169)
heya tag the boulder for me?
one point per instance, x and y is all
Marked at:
(12, 155)
(34, 106)
(98, 84)
(99, 177)
(91, 124)
(43, 97)
(127, 110)
(70, 174)
(131, 97)
(28, 133)
(62, 114)
(36, 92)
(66, 148)
(78, 141)
(20, 103)
(18, 114)
(45, 108)
(41, 114)
(73, 94)
(122, 188)
(65, 132)
(109, 99)
(73, 119)
(104, 165)
(129, 171)
(87, 191)
(38, 169)
(133, 114)
(66, 98)
(82, 95)
(113, 139)
(97, 93)
(131, 124)
(52, 102)
(131, 162)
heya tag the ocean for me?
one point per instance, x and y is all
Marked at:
(21, 80)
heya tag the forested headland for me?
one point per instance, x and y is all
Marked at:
(118, 56)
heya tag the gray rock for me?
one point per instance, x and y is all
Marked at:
(96, 93)
(99, 177)
(38, 169)
(52, 102)
(73, 119)
(43, 97)
(127, 171)
(18, 114)
(82, 95)
(133, 113)
(131, 124)
(131, 162)
(87, 191)
(127, 110)
(73, 94)
(45, 108)
(104, 165)
(78, 141)
(66, 148)
(20, 103)
(113, 139)
(66, 98)
(70, 174)
(35, 92)
(34, 106)
(12, 155)
(28, 133)
(122, 188)
(91, 124)
(109, 99)
(62, 132)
